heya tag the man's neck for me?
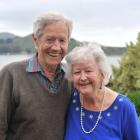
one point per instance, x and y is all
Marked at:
(49, 71)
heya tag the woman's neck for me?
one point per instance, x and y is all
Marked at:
(93, 102)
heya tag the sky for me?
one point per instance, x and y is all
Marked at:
(107, 22)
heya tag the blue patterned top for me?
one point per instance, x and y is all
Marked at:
(118, 122)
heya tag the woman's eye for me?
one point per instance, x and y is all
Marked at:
(88, 71)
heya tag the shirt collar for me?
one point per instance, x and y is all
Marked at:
(34, 66)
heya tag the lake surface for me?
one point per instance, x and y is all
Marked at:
(6, 59)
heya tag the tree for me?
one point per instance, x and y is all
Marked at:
(126, 77)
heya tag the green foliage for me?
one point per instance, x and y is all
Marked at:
(135, 98)
(126, 77)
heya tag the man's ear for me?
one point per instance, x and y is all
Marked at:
(35, 41)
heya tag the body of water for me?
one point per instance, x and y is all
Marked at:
(6, 59)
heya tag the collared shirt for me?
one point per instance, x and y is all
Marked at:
(33, 66)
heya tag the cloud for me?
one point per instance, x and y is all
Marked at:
(97, 19)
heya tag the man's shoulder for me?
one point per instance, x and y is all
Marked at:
(15, 66)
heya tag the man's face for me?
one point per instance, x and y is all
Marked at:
(53, 44)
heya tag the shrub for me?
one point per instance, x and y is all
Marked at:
(126, 77)
(135, 98)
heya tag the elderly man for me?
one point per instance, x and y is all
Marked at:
(34, 93)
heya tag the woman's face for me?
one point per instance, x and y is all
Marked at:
(87, 77)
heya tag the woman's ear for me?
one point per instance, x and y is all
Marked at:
(102, 80)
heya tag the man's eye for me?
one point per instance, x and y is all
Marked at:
(76, 72)
(62, 41)
(50, 40)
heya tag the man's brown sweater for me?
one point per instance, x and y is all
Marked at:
(27, 110)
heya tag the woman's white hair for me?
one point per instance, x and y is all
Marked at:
(49, 18)
(87, 54)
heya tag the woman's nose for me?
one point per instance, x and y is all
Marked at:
(83, 76)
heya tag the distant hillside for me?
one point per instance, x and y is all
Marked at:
(10, 43)
(113, 50)
(6, 35)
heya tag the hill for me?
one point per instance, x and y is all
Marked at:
(10, 43)
(6, 35)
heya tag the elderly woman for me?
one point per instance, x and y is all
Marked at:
(97, 112)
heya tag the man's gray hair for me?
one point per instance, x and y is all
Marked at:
(87, 54)
(49, 18)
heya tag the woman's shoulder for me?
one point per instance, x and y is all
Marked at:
(124, 99)
(119, 97)
(120, 100)
(125, 103)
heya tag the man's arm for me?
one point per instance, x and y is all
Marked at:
(6, 89)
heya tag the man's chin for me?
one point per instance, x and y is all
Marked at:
(56, 59)
(54, 63)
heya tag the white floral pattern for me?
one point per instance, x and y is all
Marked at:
(115, 107)
(74, 101)
(90, 116)
(75, 94)
(77, 108)
(108, 114)
(121, 100)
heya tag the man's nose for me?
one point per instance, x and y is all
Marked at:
(56, 44)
